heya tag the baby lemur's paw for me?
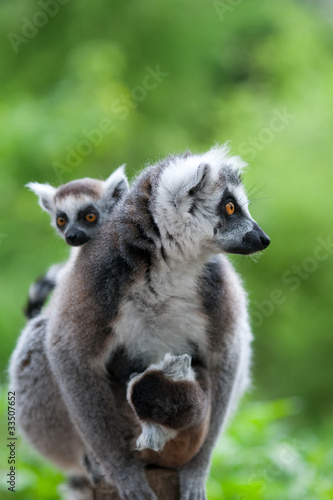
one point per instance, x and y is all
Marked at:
(177, 367)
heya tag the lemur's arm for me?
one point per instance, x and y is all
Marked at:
(223, 377)
(77, 365)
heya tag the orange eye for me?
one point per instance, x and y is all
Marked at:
(61, 221)
(90, 217)
(230, 208)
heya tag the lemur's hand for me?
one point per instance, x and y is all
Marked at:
(192, 479)
(133, 485)
(193, 489)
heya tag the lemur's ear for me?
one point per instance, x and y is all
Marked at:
(115, 186)
(45, 194)
(200, 179)
(192, 184)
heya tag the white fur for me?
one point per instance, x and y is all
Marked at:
(151, 324)
(178, 367)
(154, 437)
(117, 177)
(176, 176)
(45, 194)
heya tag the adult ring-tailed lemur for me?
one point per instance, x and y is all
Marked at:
(154, 281)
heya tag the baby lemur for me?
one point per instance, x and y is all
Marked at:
(154, 281)
(77, 209)
(172, 409)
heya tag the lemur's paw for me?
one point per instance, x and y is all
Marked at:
(134, 487)
(154, 437)
(177, 367)
(194, 493)
(138, 494)
(192, 484)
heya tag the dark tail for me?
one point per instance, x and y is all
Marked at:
(40, 290)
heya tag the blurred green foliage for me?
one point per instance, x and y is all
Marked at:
(166, 76)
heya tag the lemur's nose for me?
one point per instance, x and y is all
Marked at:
(256, 240)
(265, 240)
(76, 238)
(72, 237)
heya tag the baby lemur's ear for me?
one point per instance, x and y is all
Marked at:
(45, 194)
(115, 186)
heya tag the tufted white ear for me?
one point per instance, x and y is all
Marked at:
(45, 194)
(198, 181)
(181, 182)
(115, 186)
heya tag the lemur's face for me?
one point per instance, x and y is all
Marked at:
(236, 232)
(77, 219)
(200, 203)
(80, 207)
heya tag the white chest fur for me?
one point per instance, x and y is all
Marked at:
(161, 314)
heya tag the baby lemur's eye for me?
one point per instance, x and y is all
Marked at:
(61, 221)
(230, 208)
(90, 217)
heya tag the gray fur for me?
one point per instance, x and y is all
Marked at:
(39, 404)
(154, 282)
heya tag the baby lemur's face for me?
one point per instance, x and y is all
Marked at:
(77, 213)
(80, 207)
